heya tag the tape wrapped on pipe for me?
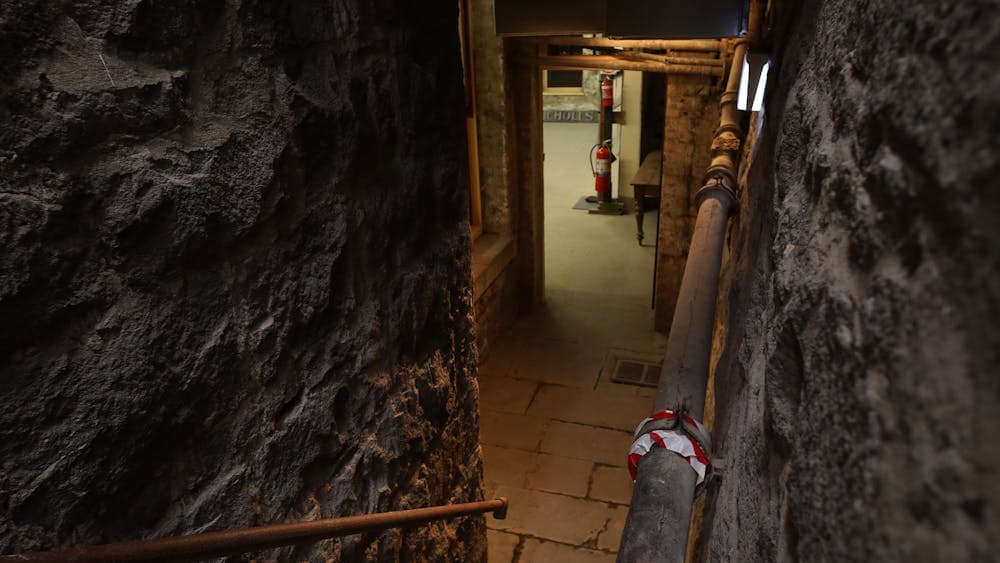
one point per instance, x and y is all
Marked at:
(680, 434)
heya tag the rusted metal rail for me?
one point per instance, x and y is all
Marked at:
(234, 542)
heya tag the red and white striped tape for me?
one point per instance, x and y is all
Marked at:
(688, 439)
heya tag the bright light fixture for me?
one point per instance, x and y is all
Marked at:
(753, 82)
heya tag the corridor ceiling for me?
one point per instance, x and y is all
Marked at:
(664, 19)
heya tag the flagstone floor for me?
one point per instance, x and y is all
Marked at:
(554, 430)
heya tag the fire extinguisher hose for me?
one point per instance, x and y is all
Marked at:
(590, 159)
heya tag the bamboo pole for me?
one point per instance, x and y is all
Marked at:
(673, 44)
(640, 56)
(602, 62)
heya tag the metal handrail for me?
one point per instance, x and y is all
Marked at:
(235, 542)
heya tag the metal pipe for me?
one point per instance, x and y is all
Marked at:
(755, 21)
(234, 542)
(599, 62)
(660, 513)
(672, 44)
(730, 118)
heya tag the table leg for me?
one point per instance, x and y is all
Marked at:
(638, 215)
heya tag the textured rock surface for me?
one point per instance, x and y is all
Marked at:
(234, 281)
(857, 393)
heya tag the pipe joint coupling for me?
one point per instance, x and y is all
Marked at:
(721, 173)
(729, 98)
(729, 128)
(721, 187)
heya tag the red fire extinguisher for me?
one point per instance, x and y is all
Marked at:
(602, 171)
(607, 92)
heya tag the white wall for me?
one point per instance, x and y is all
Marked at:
(626, 136)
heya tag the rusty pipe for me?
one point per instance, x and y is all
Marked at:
(234, 542)
(600, 62)
(755, 21)
(659, 516)
(730, 115)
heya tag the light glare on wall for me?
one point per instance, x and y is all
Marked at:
(755, 69)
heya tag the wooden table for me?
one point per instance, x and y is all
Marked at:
(646, 184)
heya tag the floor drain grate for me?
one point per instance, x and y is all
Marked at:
(635, 371)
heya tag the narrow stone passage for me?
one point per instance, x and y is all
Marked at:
(554, 428)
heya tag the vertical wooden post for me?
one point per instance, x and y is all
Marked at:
(524, 84)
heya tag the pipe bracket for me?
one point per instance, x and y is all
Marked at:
(676, 432)
(720, 173)
(729, 98)
(661, 424)
(501, 512)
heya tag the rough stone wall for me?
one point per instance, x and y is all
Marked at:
(857, 390)
(234, 287)
(692, 115)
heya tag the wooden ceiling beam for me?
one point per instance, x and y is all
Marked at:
(672, 44)
(601, 62)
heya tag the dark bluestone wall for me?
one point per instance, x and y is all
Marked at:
(234, 282)
(858, 390)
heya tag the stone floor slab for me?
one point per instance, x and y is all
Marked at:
(550, 516)
(609, 447)
(594, 319)
(505, 394)
(612, 535)
(621, 412)
(511, 430)
(501, 546)
(506, 466)
(530, 470)
(561, 363)
(536, 551)
(557, 474)
(501, 357)
(612, 484)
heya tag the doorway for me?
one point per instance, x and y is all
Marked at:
(593, 262)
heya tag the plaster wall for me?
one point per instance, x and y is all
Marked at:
(627, 149)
